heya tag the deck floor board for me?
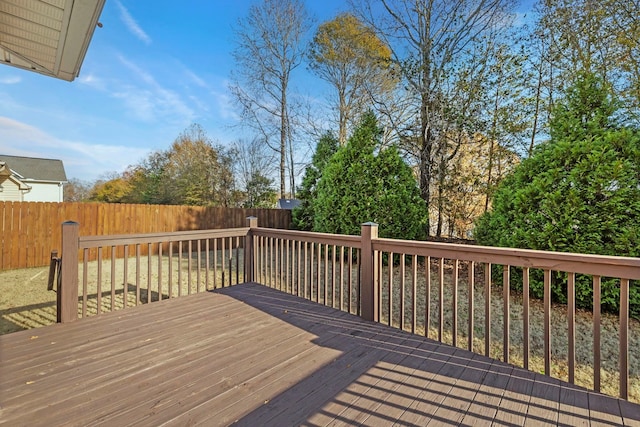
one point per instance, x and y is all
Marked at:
(250, 355)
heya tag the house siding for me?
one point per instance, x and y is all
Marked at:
(44, 192)
(40, 180)
(10, 192)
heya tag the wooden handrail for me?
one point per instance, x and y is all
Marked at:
(207, 251)
(602, 265)
(308, 252)
(311, 237)
(176, 236)
(346, 272)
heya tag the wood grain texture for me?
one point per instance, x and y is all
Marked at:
(29, 231)
(252, 355)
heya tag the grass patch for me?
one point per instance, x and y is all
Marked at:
(25, 302)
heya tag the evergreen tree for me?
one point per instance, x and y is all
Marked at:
(303, 215)
(259, 192)
(360, 184)
(578, 192)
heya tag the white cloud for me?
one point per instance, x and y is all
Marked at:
(196, 79)
(138, 102)
(153, 101)
(132, 25)
(83, 160)
(92, 81)
(227, 109)
(10, 80)
(198, 103)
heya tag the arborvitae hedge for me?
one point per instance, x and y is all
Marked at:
(578, 192)
(303, 215)
(363, 182)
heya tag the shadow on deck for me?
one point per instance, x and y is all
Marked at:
(30, 316)
(385, 376)
(255, 356)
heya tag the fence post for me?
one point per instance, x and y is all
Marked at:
(249, 250)
(67, 298)
(370, 301)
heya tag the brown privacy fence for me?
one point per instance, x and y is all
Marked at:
(29, 231)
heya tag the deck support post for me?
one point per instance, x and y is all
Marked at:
(370, 301)
(67, 296)
(250, 250)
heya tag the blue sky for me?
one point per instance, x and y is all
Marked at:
(154, 68)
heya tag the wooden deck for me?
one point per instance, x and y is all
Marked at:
(254, 356)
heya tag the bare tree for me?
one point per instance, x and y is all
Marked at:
(253, 160)
(431, 43)
(76, 190)
(269, 47)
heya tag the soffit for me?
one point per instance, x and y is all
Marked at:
(47, 36)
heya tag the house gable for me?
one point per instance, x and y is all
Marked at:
(35, 169)
(38, 180)
(12, 189)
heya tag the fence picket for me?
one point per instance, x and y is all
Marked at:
(31, 230)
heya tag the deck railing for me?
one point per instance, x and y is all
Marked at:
(422, 287)
(120, 271)
(477, 258)
(324, 268)
(428, 288)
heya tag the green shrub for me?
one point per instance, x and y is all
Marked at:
(578, 192)
(363, 182)
(303, 215)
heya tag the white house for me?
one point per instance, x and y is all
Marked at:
(29, 179)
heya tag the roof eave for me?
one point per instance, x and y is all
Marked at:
(78, 23)
(83, 19)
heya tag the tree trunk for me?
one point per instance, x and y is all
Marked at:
(292, 172)
(537, 111)
(283, 140)
(425, 170)
(442, 170)
(492, 138)
(342, 117)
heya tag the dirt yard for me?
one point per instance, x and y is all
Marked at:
(25, 302)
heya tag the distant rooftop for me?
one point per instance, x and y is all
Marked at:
(32, 168)
(288, 203)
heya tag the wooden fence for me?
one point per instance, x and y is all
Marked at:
(29, 231)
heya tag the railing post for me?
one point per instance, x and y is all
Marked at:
(249, 250)
(67, 298)
(370, 301)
